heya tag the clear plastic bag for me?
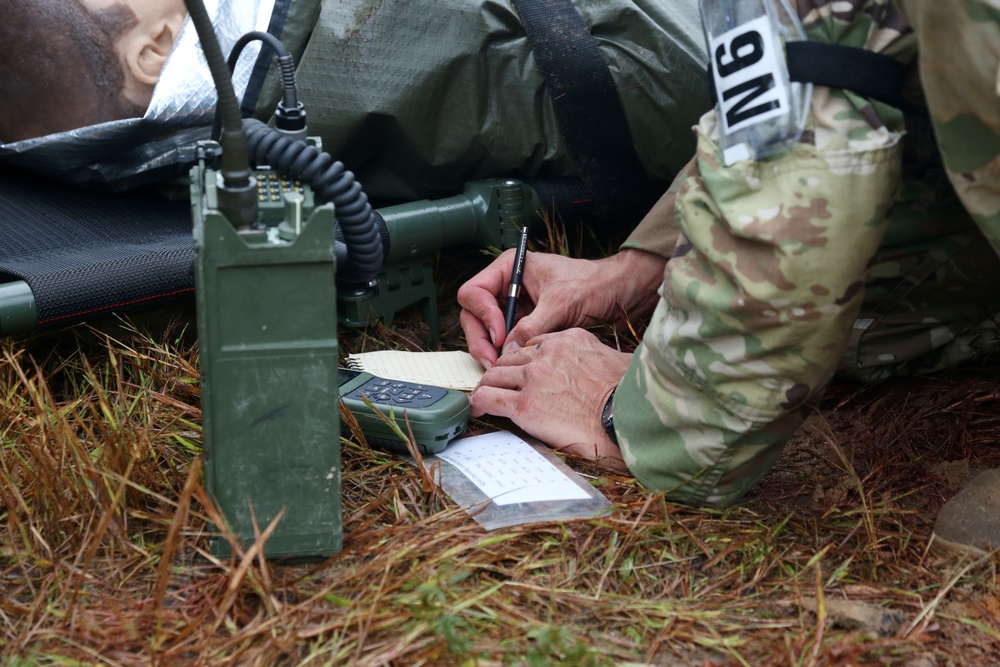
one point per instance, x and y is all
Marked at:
(529, 457)
(761, 111)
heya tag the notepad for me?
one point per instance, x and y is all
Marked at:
(452, 369)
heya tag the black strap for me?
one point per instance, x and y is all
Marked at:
(864, 72)
(867, 73)
(587, 107)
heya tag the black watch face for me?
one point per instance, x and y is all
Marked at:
(607, 416)
(608, 419)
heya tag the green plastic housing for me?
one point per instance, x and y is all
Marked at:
(433, 425)
(267, 326)
(18, 312)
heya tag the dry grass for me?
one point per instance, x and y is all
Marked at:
(104, 560)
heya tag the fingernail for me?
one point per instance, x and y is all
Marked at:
(486, 363)
(493, 337)
(510, 346)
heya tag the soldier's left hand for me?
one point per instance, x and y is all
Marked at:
(555, 388)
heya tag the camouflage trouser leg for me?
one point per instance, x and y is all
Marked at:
(929, 305)
(959, 42)
(764, 286)
(934, 303)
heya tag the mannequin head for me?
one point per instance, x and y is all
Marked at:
(66, 64)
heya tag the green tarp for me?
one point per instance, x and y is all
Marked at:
(418, 97)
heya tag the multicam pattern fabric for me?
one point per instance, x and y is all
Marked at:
(929, 304)
(960, 69)
(766, 283)
(934, 294)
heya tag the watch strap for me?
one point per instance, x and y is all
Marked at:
(608, 418)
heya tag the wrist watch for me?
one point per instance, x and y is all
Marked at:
(608, 419)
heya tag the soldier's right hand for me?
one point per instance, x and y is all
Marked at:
(557, 293)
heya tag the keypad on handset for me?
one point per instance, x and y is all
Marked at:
(398, 394)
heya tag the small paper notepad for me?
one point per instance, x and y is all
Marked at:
(453, 370)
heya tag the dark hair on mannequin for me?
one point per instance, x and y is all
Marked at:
(58, 67)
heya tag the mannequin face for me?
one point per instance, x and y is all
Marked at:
(143, 49)
(98, 60)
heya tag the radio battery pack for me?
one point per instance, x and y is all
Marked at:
(267, 326)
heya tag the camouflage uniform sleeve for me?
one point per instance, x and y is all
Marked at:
(657, 232)
(764, 284)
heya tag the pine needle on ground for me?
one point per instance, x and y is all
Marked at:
(104, 557)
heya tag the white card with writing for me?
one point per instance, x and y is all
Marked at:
(748, 77)
(508, 470)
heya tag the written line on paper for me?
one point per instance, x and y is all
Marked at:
(509, 471)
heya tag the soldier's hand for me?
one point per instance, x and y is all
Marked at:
(554, 387)
(557, 293)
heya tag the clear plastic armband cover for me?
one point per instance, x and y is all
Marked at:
(761, 112)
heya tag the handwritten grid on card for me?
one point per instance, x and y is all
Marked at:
(509, 471)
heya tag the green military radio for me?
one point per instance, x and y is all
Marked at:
(267, 328)
(280, 251)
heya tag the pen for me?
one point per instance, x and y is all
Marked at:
(515, 279)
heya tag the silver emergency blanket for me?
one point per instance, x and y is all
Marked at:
(122, 154)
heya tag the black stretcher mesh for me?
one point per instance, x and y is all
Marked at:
(86, 254)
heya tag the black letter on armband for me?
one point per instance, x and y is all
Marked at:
(753, 88)
(740, 60)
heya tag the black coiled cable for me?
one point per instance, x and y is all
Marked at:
(330, 182)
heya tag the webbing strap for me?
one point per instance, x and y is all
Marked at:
(864, 72)
(861, 71)
(586, 103)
